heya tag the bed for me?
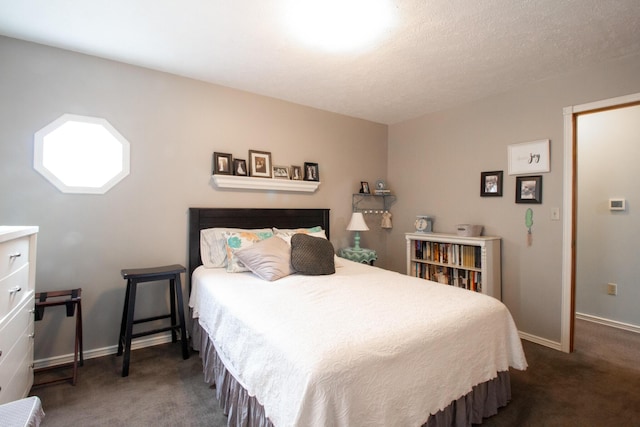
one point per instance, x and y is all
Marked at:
(362, 346)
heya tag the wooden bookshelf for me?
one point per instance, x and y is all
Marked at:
(468, 262)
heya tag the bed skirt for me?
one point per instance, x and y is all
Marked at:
(243, 410)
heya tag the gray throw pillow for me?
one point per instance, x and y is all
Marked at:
(312, 256)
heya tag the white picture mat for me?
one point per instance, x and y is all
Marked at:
(529, 157)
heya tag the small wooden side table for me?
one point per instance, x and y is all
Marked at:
(363, 255)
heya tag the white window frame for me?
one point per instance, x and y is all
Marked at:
(39, 164)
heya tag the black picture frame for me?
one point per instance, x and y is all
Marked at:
(311, 172)
(364, 187)
(529, 189)
(260, 164)
(491, 184)
(222, 163)
(240, 167)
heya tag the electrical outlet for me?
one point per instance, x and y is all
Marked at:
(612, 289)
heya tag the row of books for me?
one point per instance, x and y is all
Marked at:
(449, 253)
(459, 277)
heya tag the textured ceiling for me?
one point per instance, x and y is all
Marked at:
(437, 54)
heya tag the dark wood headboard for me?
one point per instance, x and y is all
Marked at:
(201, 218)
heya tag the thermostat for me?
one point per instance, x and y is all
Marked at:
(617, 204)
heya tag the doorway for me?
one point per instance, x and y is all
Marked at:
(570, 205)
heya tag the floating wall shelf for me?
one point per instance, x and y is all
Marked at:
(252, 183)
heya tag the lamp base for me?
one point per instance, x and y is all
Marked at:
(356, 246)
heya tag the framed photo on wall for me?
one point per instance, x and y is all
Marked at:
(222, 164)
(311, 172)
(260, 163)
(529, 157)
(491, 184)
(281, 172)
(240, 167)
(529, 189)
(296, 173)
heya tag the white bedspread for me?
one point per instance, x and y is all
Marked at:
(364, 346)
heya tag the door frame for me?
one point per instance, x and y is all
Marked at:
(569, 207)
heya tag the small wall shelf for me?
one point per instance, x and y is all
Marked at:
(362, 198)
(252, 183)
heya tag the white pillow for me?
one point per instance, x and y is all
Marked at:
(269, 259)
(213, 245)
(287, 234)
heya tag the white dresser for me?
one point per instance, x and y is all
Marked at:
(17, 290)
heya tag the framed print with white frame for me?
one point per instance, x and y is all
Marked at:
(260, 164)
(529, 157)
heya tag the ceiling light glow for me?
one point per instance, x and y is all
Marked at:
(339, 25)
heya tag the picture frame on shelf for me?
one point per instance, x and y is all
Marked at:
(281, 172)
(311, 172)
(491, 184)
(364, 187)
(528, 157)
(296, 173)
(222, 163)
(260, 164)
(240, 167)
(529, 189)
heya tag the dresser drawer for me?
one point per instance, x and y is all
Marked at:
(13, 255)
(20, 378)
(13, 290)
(16, 358)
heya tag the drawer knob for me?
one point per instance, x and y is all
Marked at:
(14, 256)
(15, 289)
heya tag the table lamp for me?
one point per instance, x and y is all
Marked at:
(357, 224)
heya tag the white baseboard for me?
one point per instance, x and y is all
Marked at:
(608, 322)
(542, 341)
(105, 351)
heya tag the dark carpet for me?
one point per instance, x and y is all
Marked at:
(558, 389)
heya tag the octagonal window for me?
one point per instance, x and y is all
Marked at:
(80, 154)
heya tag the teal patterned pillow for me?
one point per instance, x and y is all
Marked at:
(238, 240)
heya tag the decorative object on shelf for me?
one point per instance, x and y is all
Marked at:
(386, 220)
(491, 184)
(362, 255)
(469, 230)
(240, 167)
(260, 164)
(424, 224)
(381, 188)
(529, 189)
(528, 222)
(357, 224)
(529, 157)
(311, 172)
(364, 187)
(296, 173)
(281, 172)
(222, 164)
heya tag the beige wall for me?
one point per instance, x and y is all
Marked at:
(435, 163)
(174, 125)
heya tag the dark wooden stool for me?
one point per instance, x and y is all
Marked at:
(139, 275)
(71, 299)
